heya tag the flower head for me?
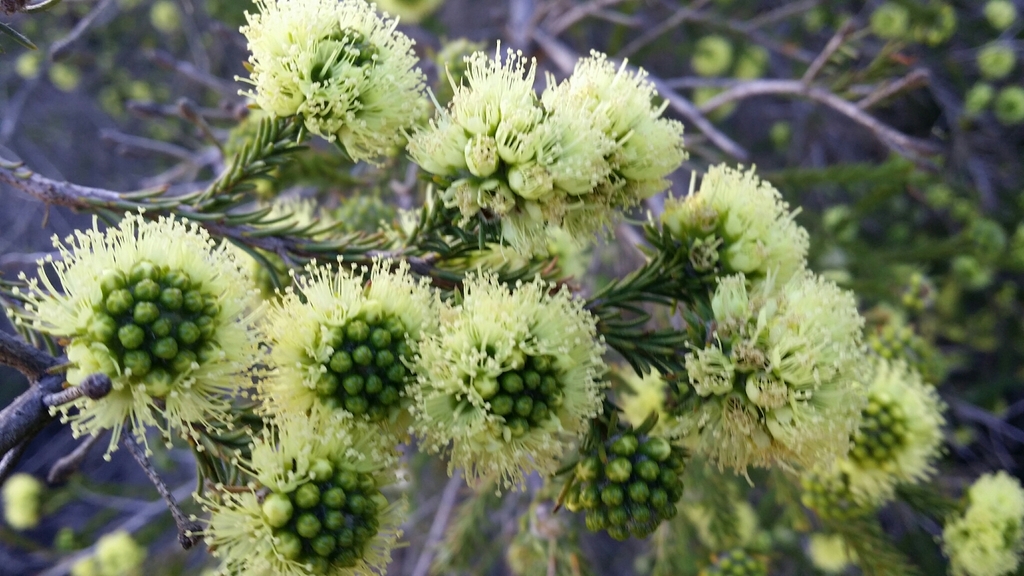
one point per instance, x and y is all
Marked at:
(620, 102)
(988, 538)
(829, 552)
(317, 506)
(508, 155)
(739, 222)
(778, 381)
(511, 375)
(342, 67)
(162, 311)
(648, 396)
(899, 436)
(21, 494)
(345, 340)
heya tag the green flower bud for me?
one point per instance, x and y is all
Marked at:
(307, 525)
(890, 21)
(511, 383)
(353, 384)
(996, 61)
(618, 516)
(362, 355)
(388, 396)
(171, 298)
(712, 56)
(277, 509)
(193, 301)
(147, 290)
(138, 361)
(321, 469)
(334, 498)
(158, 382)
(531, 379)
(518, 427)
(590, 496)
(142, 271)
(131, 336)
(1001, 14)
(596, 520)
(145, 313)
(648, 470)
(334, 519)
(119, 301)
(619, 533)
(540, 412)
(373, 384)
(183, 361)
(588, 469)
(612, 495)
(502, 405)
(323, 544)
(102, 328)
(656, 448)
(289, 545)
(619, 470)
(341, 362)
(638, 492)
(659, 498)
(162, 327)
(380, 338)
(1009, 105)
(385, 358)
(978, 98)
(165, 348)
(111, 280)
(524, 405)
(357, 331)
(396, 372)
(625, 446)
(356, 404)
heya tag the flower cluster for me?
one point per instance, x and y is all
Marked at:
(634, 491)
(21, 493)
(346, 342)
(344, 69)
(588, 146)
(162, 311)
(737, 223)
(510, 376)
(318, 506)
(777, 382)
(737, 562)
(988, 538)
(899, 435)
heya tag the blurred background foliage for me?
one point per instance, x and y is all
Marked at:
(897, 127)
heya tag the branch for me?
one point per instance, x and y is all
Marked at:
(17, 354)
(437, 527)
(892, 138)
(188, 531)
(565, 58)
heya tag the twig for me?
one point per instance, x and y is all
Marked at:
(127, 141)
(188, 70)
(520, 22)
(894, 139)
(10, 460)
(971, 412)
(60, 48)
(826, 53)
(914, 79)
(678, 17)
(781, 13)
(577, 13)
(188, 531)
(94, 386)
(565, 58)
(437, 527)
(67, 465)
(17, 354)
(24, 417)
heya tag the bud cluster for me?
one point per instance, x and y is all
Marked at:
(882, 431)
(328, 521)
(156, 324)
(367, 373)
(737, 562)
(633, 491)
(828, 494)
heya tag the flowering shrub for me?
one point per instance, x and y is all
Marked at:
(421, 306)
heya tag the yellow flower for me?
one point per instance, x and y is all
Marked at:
(988, 538)
(118, 554)
(829, 553)
(646, 147)
(899, 436)
(346, 70)
(648, 396)
(712, 56)
(162, 311)
(345, 340)
(743, 221)
(778, 381)
(21, 495)
(511, 376)
(507, 155)
(316, 506)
